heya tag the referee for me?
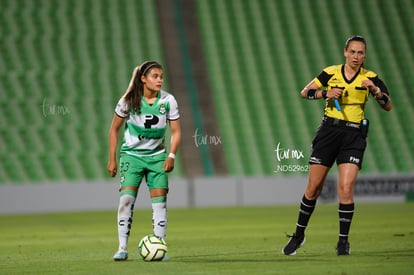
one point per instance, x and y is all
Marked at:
(341, 136)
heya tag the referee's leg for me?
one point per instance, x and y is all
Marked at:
(316, 179)
(347, 175)
(317, 175)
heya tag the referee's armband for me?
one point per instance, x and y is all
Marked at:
(311, 94)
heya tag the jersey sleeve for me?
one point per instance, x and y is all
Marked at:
(379, 83)
(121, 108)
(173, 113)
(322, 79)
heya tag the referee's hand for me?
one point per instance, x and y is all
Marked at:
(334, 93)
(369, 84)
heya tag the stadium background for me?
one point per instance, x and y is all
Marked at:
(236, 68)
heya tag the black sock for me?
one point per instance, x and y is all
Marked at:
(305, 212)
(345, 212)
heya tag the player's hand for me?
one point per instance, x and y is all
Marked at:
(168, 165)
(334, 93)
(112, 168)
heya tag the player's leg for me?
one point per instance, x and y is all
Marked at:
(159, 211)
(125, 213)
(130, 180)
(157, 181)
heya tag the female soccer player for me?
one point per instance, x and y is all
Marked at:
(147, 110)
(341, 136)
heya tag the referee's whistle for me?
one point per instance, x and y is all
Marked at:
(337, 105)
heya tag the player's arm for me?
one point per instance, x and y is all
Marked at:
(175, 143)
(117, 122)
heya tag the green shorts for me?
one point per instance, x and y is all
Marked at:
(133, 169)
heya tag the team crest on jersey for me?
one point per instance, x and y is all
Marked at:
(162, 109)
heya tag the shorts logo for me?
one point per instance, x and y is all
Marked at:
(315, 160)
(354, 160)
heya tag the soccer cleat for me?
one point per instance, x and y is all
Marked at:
(294, 243)
(342, 248)
(121, 255)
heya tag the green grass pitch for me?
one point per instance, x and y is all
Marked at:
(212, 241)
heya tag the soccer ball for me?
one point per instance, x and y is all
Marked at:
(152, 248)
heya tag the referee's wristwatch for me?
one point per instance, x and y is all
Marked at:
(377, 92)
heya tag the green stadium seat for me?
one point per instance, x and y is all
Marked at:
(300, 46)
(76, 55)
(259, 55)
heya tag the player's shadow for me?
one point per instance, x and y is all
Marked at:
(246, 257)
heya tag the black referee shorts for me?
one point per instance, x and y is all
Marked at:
(342, 142)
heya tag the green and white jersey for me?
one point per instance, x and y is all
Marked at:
(145, 132)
